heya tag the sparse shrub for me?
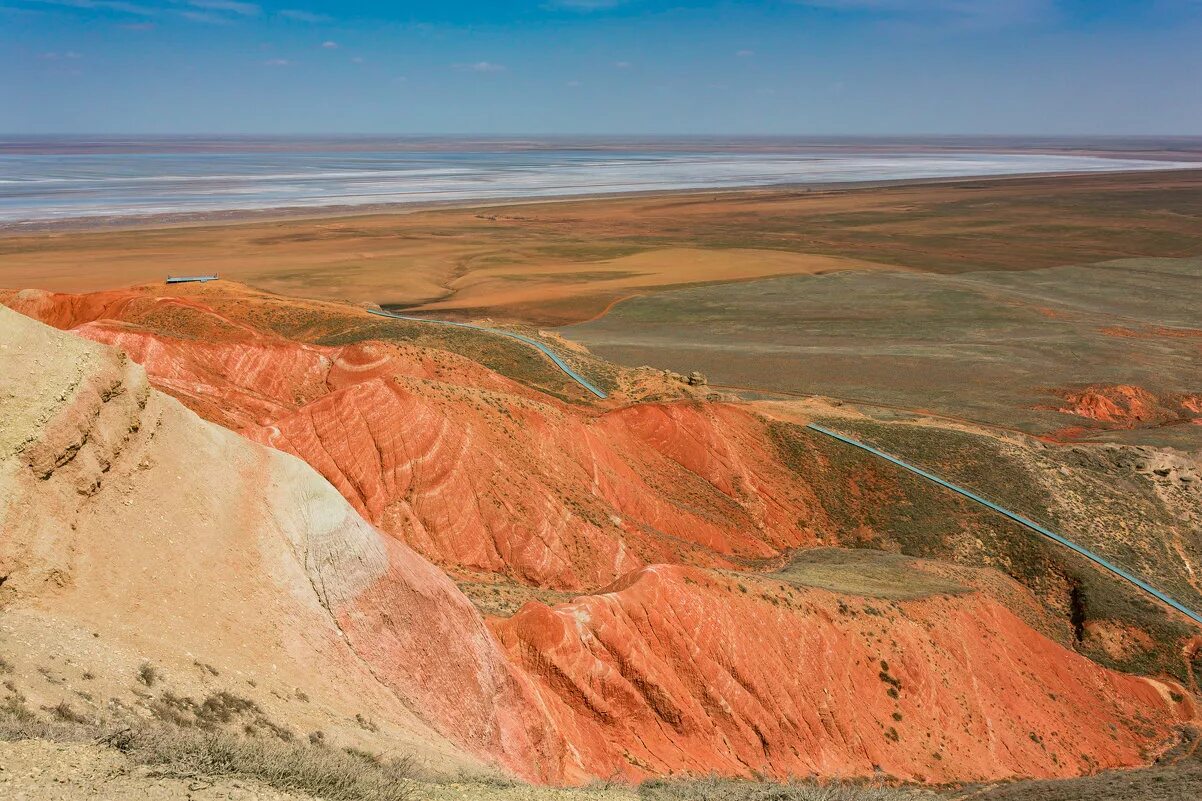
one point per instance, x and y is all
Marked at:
(716, 789)
(189, 752)
(5, 666)
(66, 714)
(14, 708)
(148, 674)
(322, 772)
(173, 709)
(222, 707)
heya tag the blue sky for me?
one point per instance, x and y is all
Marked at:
(602, 66)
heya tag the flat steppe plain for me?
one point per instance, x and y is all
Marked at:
(556, 263)
(1056, 305)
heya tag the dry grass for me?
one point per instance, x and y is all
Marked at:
(716, 789)
(326, 772)
(187, 752)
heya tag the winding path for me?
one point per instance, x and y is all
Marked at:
(1038, 529)
(550, 354)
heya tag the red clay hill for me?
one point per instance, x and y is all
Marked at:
(667, 652)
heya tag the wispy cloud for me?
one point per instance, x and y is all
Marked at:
(584, 5)
(298, 15)
(278, 62)
(329, 45)
(69, 55)
(229, 6)
(103, 5)
(206, 17)
(622, 65)
(358, 60)
(962, 13)
(744, 53)
(209, 11)
(480, 66)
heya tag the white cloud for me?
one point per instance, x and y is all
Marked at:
(357, 60)
(330, 45)
(205, 16)
(278, 62)
(584, 5)
(622, 65)
(103, 5)
(69, 55)
(962, 13)
(298, 15)
(481, 66)
(744, 53)
(230, 6)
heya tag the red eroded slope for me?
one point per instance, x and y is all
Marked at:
(495, 483)
(673, 667)
(474, 471)
(681, 669)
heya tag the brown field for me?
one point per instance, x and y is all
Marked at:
(567, 261)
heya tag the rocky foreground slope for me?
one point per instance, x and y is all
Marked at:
(179, 542)
(136, 533)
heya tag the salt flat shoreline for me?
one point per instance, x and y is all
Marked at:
(169, 220)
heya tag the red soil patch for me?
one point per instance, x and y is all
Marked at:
(1126, 406)
(1153, 332)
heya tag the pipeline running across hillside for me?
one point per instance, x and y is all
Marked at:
(552, 355)
(1017, 518)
